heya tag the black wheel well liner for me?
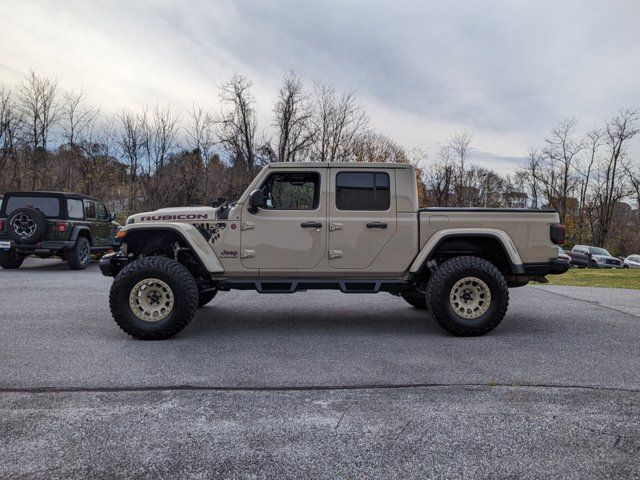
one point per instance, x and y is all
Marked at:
(482, 245)
(154, 241)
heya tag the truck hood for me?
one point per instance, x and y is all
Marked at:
(176, 214)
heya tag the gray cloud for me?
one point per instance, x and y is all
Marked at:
(508, 70)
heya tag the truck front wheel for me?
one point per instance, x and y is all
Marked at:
(468, 296)
(153, 298)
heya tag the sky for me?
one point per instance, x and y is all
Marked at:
(506, 70)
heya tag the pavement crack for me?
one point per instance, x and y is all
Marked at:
(342, 416)
(308, 388)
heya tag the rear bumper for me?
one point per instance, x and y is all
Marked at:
(46, 246)
(554, 266)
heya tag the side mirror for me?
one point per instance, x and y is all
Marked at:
(256, 200)
(112, 216)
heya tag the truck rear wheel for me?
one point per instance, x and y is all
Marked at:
(153, 298)
(79, 257)
(10, 260)
(468, 296)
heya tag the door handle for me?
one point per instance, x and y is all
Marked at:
(311, 225)
(376, 225)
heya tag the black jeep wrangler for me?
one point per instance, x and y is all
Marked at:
(68, 225)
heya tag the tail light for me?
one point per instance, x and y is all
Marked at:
(557, 234)
(1, 224)
(62, 227)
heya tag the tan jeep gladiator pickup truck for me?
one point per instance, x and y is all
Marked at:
(353, 227)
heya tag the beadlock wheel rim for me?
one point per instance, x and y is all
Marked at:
(151, 300)
(470, 297)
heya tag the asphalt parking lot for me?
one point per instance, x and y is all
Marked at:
(315, 384)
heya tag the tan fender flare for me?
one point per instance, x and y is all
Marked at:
(191, 236)
(500, 235)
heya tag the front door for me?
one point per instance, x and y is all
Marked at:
(290, 232)
(362, 216)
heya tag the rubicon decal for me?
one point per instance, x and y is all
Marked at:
(181, 216)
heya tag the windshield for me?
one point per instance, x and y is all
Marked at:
(598, 251)
(49, 206)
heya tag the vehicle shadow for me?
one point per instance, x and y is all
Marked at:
(285, 316)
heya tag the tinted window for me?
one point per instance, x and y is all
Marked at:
(292, 191)
(362, 191)
(50, 207)
(89, 209)
(74, 209)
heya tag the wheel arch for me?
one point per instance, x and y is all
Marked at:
(83, 231)
(481, 242)
(185, 233)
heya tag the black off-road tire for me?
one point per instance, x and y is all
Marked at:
(17, 225)
(415, 299)
(205, 297)
(10, 260)
(440, 287)
(176, 276)
(79, 257)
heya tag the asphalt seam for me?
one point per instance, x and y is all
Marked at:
(199, 388)
(589, 302)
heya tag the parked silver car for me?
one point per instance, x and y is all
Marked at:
(632, 261)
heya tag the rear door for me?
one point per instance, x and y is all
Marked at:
(362, 216)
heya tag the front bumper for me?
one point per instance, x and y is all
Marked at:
(111, 263)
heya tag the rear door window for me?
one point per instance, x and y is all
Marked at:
(89, 209)
(48, 206)
(362, 191)
(75, 210)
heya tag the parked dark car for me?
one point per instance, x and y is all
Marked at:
(67, 225)
(593, 257)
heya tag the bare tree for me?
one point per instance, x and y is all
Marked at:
(11, 124)
(374, 147)
(611, 187)
(292, 118)
(37, 96)
(338, 122)
(200, 132)
(458, 145)
(593, 142)
(529, 176)
(131, 138)
(77, 121)
(161, 140)
(558, 175)
(237, 124)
